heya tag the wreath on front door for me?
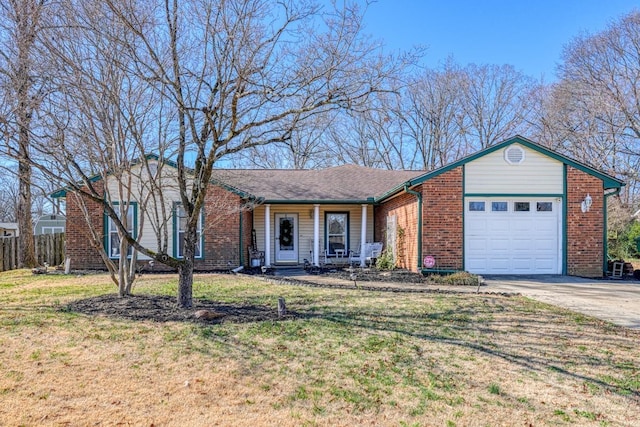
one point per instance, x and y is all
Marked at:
(286, 233)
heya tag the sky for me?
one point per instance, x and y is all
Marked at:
(528, 34)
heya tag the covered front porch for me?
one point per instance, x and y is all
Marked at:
(289, 234)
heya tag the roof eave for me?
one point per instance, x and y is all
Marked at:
(367, 201)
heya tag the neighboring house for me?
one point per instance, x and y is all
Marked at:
(513, 208)
(50, 224)
(9, 229)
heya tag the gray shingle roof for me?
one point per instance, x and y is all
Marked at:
(340, 183)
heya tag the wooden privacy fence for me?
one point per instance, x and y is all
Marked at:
(49, 248)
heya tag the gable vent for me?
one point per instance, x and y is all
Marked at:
(514, 155)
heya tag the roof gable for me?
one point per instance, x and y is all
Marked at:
(608, 181)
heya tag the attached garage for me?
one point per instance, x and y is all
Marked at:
(513, 235)
(513, 208)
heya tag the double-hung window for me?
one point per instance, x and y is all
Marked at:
(113, 239)
(180, 221)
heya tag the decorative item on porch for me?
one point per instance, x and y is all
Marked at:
(286, 233)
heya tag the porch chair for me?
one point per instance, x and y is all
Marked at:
(371, 252)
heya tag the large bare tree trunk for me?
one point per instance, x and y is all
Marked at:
(27, 254)
(25, 13)
(185, 271)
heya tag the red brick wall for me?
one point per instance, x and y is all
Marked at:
(405, 207)
(79, 243)
(221, 229)
(585, 243)
(442, 219)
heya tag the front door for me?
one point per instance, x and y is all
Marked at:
(286, 238)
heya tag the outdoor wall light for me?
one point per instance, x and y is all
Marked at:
(586, 203)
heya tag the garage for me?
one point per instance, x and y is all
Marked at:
(513, 235)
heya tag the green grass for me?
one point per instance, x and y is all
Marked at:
(348, 352)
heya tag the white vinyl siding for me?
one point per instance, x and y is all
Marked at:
(491, 174)
(147, 233)
(305, 225)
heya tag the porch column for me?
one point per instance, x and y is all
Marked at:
(363, 234)
(316, 235)
(267, 235)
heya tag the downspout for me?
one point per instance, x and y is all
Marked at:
(241, 254)
(419, 197)
(605, 244)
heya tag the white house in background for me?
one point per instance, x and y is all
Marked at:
(9, 229)
(50, 224)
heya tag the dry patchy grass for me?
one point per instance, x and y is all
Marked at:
(343, 357)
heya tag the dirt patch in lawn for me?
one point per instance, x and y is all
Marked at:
(163, 308)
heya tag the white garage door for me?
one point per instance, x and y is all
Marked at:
(513, 236)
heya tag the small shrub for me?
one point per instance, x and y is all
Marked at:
(459, 278)
(386, 261)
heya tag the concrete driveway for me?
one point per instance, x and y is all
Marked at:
(615, 301)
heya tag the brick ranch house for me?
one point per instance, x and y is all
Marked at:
(513, 208)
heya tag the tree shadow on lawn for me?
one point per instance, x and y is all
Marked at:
(163, 308)
(535, 346)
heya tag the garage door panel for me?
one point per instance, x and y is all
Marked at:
(546, 245)
(499, 264)
(513, 242)
(499, 245)
(478, 244)
(494, 227)
(521, 244)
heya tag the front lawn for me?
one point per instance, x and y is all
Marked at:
(341, 357)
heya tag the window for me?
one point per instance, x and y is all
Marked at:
(476, 206)
(498, 206)
(113, 239)
(52, 230)
(544, 206)
(521, 206)
(337, 231)
(180, 221)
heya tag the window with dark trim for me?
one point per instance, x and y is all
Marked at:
(336, 225)
(499, 206)
(112, 244)
(476, 206)
(180, 221)
(544, 206)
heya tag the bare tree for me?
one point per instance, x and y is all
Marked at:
(308, 148)
(494, 104)
(220, 77)
(21, 93)
(600, 85)
(8, 197)
(429, 112)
